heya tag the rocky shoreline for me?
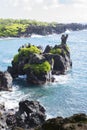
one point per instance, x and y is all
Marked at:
(55, 28)
(31, 116)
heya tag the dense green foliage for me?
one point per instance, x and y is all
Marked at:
(15, 28)
(27, 50)
(11, 28)
(39, 68)
(16, 57)
(24, 52)
(56, 51)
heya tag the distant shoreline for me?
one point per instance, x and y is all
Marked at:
(38, 35)
(26, 28)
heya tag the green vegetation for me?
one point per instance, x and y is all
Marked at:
(11, 28)
(25, 52)
(67, 47)
(16, 57)
(39, 68)
(18, 27)
(56, 51)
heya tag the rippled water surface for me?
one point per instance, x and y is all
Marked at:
(68, 95)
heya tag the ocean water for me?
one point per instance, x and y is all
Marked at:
(65, 97)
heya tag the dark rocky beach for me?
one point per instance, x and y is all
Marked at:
(31, 116)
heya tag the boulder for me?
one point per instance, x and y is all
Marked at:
(59, 64)
(29, 115)
(36, 78)
(5, 81)
(40, 66)
(47, 49)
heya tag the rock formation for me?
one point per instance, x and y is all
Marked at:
(5, 81)
(75, 122)
(39, 66)
(29, 115)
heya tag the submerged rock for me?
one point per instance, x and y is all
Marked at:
(5, 81)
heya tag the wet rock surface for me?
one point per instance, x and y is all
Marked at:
(5, 81)
(29, 115)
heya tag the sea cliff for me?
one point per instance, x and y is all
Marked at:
(39, 65)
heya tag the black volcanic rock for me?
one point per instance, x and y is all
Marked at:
(29, 115)
(47, 49)
(5, 81)
(39, 66)
(55, 28)
(75, 122)
(61, 58)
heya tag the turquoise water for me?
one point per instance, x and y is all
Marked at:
(63, 98)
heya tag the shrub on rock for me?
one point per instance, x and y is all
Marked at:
(39, 67)
(45, 67)
(25, 52)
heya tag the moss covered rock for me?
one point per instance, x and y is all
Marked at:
(45, 67)
(39, 66)
(25, 51)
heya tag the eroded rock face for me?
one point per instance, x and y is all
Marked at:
(29, 115)
(5, 81)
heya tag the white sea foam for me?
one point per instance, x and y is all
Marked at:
(10, 99)
(49, 116)
(61, 79)
(7, 60)
(8, 38)
(67, 31)
(22, 76)
(35, 35)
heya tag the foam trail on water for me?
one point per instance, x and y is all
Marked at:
(10, 99)
(67, 31)
(34, 35)
(7, 60)
(61, 79)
